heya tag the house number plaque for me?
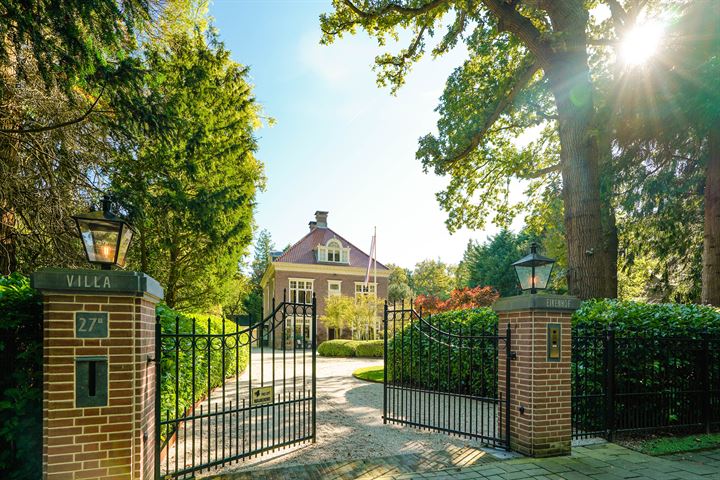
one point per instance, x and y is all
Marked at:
(91, 324)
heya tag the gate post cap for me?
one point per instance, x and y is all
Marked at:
(545, 302)
(68, 280)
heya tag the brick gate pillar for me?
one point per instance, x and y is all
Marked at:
(539, 373)
(98, 373)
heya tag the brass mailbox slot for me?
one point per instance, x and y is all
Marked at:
(553, 342)
(91, 382)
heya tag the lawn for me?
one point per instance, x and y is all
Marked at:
(370, 374)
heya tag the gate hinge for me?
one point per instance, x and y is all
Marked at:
(513, 355)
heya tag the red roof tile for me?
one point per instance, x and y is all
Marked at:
(304, 250)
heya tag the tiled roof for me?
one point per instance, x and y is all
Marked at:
(303, 250)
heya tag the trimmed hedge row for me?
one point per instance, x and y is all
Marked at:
(351, 348)
(647, 319)
(21, 383)
(421, 357)
(171, 320)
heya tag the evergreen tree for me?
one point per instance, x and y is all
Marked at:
(189, 178)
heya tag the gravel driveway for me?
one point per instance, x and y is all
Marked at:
(349, 422)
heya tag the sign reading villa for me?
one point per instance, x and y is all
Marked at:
(88, 281)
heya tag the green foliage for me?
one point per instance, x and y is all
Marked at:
(338, 348)
(71, 39)
(188, 174)
(21, 383)
(264, 246)
(398, 284)
(180, 388)
(433, 278)
(370, 348)
(629, 318)
(490, 264)
(338, 311)
(410, 351)
(351, 348)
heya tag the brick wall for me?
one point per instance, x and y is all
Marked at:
(320, 286)
(111, 442)
(540, 386)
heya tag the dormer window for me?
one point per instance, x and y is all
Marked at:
(333, 252)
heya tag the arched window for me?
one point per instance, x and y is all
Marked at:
(333, 251)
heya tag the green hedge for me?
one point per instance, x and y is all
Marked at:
(647, 319)
(182, 386)
(351, 348)
(450, 367)
(658, 350)
(338, 348)
(370, 348)
(21, 382)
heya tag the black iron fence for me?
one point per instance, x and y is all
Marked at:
(269, 405)
(630, 382)
(443, 375)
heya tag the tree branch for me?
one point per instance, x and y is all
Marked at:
(394, 7)
(57, 125)
(543, 171)
(510, 20)
(521, 82)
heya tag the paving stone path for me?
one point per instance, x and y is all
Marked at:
(593, 462)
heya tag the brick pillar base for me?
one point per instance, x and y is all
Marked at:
(539, 374)
(98, 374)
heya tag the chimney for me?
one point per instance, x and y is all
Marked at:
(312, 225)
(321, 219)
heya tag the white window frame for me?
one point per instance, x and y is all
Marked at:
(308, 292)
(333, 252)
(360, 289)
(334, 293)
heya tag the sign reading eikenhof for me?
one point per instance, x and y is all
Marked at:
(261, 395)
(91, 324)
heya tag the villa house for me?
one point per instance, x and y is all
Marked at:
(326, 264)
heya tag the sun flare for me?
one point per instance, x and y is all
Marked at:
(641, 43)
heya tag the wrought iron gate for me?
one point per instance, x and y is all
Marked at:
(261, 384)
(443, 376)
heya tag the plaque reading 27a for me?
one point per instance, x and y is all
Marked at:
(91, 324)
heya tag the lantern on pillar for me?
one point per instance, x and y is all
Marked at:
(106, 237)
(533, 271)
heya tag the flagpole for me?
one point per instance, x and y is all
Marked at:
(375, 260)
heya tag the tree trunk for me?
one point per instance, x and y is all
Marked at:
(588, 263)
(711, 250)
(607, 209)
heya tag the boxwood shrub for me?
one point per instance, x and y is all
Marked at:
(21, 382)
(338, 348)
(370, 348)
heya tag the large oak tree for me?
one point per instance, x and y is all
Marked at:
(521, 54)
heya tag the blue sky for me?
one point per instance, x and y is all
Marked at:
(341, 143)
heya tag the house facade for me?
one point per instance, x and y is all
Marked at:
(325, 264)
